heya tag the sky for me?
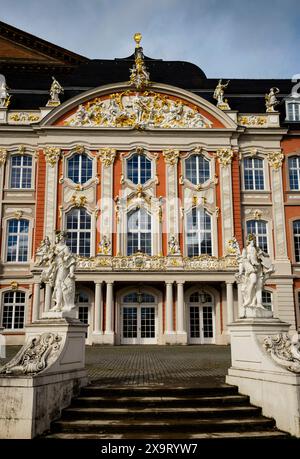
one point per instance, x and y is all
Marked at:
(228, 38)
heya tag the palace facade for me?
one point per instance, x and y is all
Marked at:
(157, 174)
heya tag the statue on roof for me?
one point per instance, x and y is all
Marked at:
(4, 95)
(271, 100)
(139, 76)
(55, 90)
(222, 103)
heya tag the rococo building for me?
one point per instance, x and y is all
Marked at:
(157, 175)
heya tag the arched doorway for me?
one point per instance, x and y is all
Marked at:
(139, 318)
(201, 318)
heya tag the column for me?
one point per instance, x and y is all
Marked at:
(181, 333)
(36, 301)
(169, 328)
(109, 317)
(48, 297)
(98, 308)
(229, 302)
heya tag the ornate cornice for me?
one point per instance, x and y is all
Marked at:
(275, 159)
(52, 155)
(107, 156)
(171, 156)
(224, 156)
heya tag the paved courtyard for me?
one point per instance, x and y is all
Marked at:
(143, 365)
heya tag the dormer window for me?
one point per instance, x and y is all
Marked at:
(293, 111)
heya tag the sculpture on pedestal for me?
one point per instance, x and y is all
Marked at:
(271, 100)
(254, 268)
(55, 90)
(4, 95)
(222, 103)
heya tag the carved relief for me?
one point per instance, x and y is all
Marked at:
(3, 156)
(285, 351)
(275, 159)
(232, 247)
(78, 200)
(107, 156)
(35, 356)
(171, 156)
(252, 120)
(140, 110)
(52, 155)
(23, 118)
(225, 156)
(104, 246)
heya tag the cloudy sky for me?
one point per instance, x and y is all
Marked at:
(231, 38)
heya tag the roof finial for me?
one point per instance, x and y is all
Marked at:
(137, 38)
(139, 76)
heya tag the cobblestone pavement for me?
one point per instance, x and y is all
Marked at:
(144, 365)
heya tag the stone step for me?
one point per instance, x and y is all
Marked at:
(162, 391)
(161, 425)
(164, 413)
(164, 401)
(259, 434)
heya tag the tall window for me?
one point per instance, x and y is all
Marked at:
(259, 228)
(139, 234)
(296, 229)
(17, 240)
(80, 168)
(198, 233)
(197, 169)
(254, 174)
(21, 171)
(266, 299)
(294, 172)
(78, 225)
(139, 169)
(293, 111)
(13, 310)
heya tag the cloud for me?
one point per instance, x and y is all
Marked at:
(233, 38)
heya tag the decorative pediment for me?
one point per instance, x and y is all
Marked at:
(139, 110)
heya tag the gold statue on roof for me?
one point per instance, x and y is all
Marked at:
(139, 76)
(222, 103)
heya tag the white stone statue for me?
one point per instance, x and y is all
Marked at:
(104, 246)
(4, 95)
(219, 95)
(271, 100)
(55, 90)
(254, 268)
(174, 248)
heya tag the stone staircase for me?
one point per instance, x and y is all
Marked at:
(162, 412)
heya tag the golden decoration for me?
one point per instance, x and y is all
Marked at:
(139, 76)
(252, 120)
(171, 156)
(21, 149)
(275, 159)
(18, 214)
(107, 156)
(14, 285)
(52, 155)
(78, 200)
(3, 156)
(137, 38)
(224, 156)
(257, 214)
(79, 149)
(23, 117)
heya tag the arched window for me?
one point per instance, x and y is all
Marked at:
(198, 233)
(139, 237)
(266, 299)
(21, 171)
(296, 231)
(80, 168)
(139, 169)
(78, 226)
(197, 169)
(259, 228)
(254, 174)
(13, 310)
(200, 297)
(17, 240)
(136, 297)
(294, 172)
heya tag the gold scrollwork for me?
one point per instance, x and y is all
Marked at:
(107, 156)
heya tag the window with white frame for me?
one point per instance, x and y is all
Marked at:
(139, 169)
(21, 171)
(17, 240)
(293, 111)
(80, 168)
(260, 230)
(254, 174)
(78, 227)
(13, 310)
(139, 235)
(296, 231)
(266, 299)
(198, 232)
(197, 169)
(294, 172)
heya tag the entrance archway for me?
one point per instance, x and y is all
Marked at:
(201, 317)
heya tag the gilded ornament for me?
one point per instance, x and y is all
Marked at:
(222, 103)
(78, 200)
(14, 285)
(257, 214)
(171, 156)
(3, 156)
(252, 120)
(79, 149)
(139, 76)
(275, 159)
(107, 156)
(52, 155)
(224, 156)
(23, 117)
(18, 214)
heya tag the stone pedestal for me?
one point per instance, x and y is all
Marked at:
(270, 385)
(42, 378)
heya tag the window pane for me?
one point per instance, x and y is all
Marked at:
(197, 169)
(259, 229)
(294, 172)
(139, 236)
(253, 174)
(80, 168)
(267, 300)
(198, 233)
(17, 240)
(78, 225)
(139, 169)
(13, 310)
(21, 171)
(296, 228)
